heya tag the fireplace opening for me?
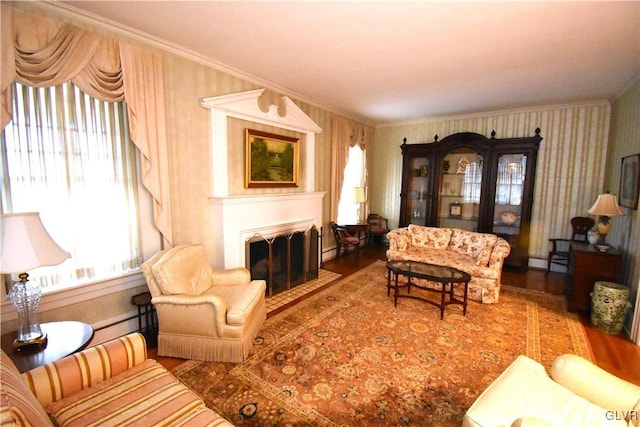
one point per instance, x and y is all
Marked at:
(283, 261)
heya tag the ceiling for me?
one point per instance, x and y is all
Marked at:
(395, 61)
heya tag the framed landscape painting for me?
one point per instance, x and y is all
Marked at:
(629, 181)
(271, 160)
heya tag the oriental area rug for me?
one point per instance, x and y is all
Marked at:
(347, 357)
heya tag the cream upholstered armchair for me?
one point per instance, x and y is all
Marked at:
(203, 313)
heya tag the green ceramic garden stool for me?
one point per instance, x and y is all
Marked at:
(609, 305)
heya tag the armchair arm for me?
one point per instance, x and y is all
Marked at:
(179, 313)
(554, 243)
(594, 383)
(71, 374)
(232, 276)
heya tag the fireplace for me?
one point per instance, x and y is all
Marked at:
(283, 261)
(242, 215)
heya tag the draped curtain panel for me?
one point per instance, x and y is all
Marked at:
(344, 135)
(41, 52)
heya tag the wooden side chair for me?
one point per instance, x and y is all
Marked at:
(559, 253)
(378, 227)
(344, 239)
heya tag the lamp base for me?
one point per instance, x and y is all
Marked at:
(37, 342)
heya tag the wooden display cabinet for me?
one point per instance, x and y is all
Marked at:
(472, 182)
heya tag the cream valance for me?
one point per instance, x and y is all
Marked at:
(40, 51)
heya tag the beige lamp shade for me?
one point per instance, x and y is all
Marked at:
(359, 195)
(606, 205)
(25, 244)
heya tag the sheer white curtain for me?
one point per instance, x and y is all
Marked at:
(68, 156)
(349, 210)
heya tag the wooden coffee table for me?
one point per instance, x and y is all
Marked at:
(447, 276)
(63, 339)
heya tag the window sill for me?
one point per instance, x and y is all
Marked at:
(63, 297)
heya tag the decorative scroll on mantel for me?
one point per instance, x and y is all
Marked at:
(246, 106)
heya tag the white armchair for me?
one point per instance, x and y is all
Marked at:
(203, 313)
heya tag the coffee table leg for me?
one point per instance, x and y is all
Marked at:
(396, 292)
(444, 291)
(464, 305)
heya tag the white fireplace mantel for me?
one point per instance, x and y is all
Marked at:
(238, 218)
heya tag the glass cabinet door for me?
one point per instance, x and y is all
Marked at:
(460, 187)
(417, 190)
(510, 182)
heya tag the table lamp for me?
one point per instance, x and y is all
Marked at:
(359, 196)
(25, 245)
(606, 206)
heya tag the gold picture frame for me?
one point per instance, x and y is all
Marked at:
(271, 160)
(629, 181)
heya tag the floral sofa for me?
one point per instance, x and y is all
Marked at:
(479, 254)
(111, 384)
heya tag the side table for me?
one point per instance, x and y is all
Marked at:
(146, 311)
(63, 339)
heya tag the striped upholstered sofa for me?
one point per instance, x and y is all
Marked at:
(109, 384)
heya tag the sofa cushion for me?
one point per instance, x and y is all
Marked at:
(146, 393)
(18, 406)
(429, 237)
(445, 258)
(476, 245)
(240, 300)
(183, 270)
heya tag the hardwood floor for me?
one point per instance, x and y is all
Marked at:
(614, 353)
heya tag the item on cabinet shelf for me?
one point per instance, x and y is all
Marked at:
(413, 194)
(593, 236)
(509, 217)
(603, 248)
(455, 210)
(446, 165)
(462, 165)
(467, 210)
(415, 172)
(424, 170)
(418, 213)
(605, 207)
(609, 306)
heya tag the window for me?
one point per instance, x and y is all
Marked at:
(472, 183)
(510, 182)
(68, 156)
(349, 210)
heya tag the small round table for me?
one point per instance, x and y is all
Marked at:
(63, 339)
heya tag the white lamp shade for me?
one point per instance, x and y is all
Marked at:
(606, 205)
(25, 244)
